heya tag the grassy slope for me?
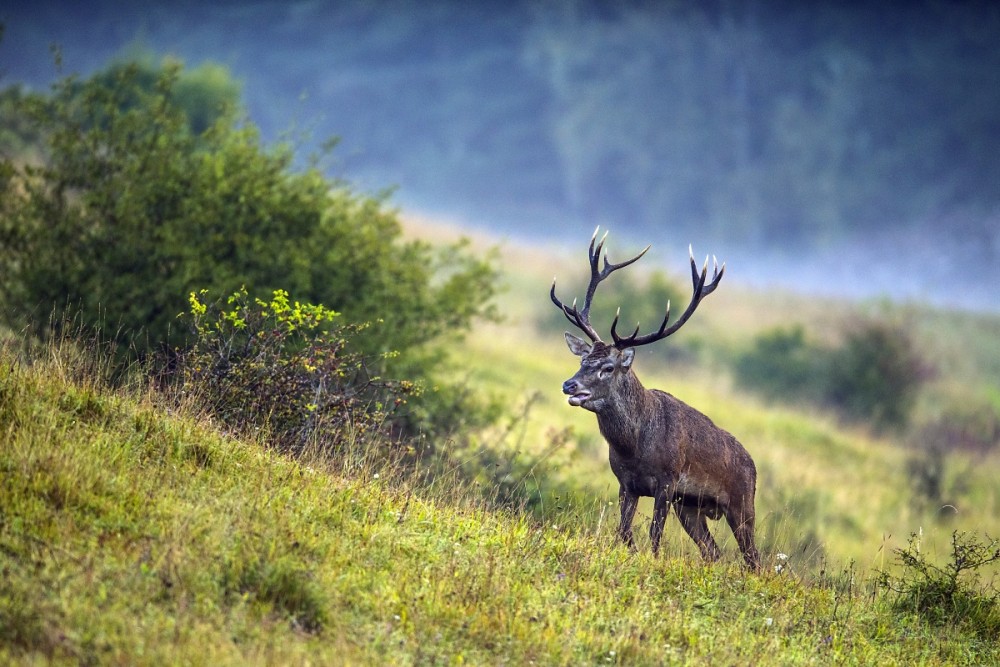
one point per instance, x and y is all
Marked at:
(825, 489)
(133, 536)
(130, 535)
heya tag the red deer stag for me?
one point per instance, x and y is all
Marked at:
(659, 446)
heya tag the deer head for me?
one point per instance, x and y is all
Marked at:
(604, 368)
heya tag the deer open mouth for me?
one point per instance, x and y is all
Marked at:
(579, 398)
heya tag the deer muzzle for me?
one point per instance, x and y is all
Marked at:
(577, 394)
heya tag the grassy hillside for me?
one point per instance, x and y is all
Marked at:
(827, 490)
(133, 534)
(136, 532)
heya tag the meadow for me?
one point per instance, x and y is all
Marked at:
(134, 529)
(827, 488)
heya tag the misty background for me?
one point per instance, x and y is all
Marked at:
(835, 147)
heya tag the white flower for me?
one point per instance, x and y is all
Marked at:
(375, 476)
(768, 621)
(782, 556)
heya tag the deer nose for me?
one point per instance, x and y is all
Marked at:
(569, 387)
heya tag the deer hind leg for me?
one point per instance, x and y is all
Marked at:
(696, 525)
(741, 520)
(661, 507)
(628, 502)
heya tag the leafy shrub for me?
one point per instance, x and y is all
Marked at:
(286, 368)
(875, 374)
(149, 187)
(950, 593)
(782, 364)
(17, 133)
(291, 371)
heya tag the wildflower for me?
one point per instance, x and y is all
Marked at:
(780, 567)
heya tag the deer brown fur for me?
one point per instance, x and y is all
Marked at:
(658, 445)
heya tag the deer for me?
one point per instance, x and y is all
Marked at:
(658, 446)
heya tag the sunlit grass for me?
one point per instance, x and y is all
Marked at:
(136, 534)
(133, 531)
(838, 490)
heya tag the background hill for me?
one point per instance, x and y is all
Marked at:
(839, 147)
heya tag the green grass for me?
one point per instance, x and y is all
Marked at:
(826, 489)
(133, 533)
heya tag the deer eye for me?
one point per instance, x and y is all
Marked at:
(606, 370)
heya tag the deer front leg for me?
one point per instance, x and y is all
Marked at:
(661, 507)
(628, 503)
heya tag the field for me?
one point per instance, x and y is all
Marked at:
(134, 533)
(826, 488)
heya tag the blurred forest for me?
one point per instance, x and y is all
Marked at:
(764, 128)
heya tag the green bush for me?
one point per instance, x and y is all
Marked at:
(134, 206)
(287, 369)
(150, 187)
(951, 593)
(782, 364)
(874, 375)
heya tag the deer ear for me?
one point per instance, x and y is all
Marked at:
(626, 358)
(577, 346)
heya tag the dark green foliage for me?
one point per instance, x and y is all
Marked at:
(949, 593)
(285, 368)
(151, 188)
(17, 133)
(782, 364)
(204, 94)
(874, 375)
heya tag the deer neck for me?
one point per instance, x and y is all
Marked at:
(621, 418)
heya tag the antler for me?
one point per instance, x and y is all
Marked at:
(701, 290)
(581, 319)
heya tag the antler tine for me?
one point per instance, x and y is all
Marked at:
(614, 325)
(596, 276)
(581, 318)
(576, 318)
(571, 313)
(700, 289)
